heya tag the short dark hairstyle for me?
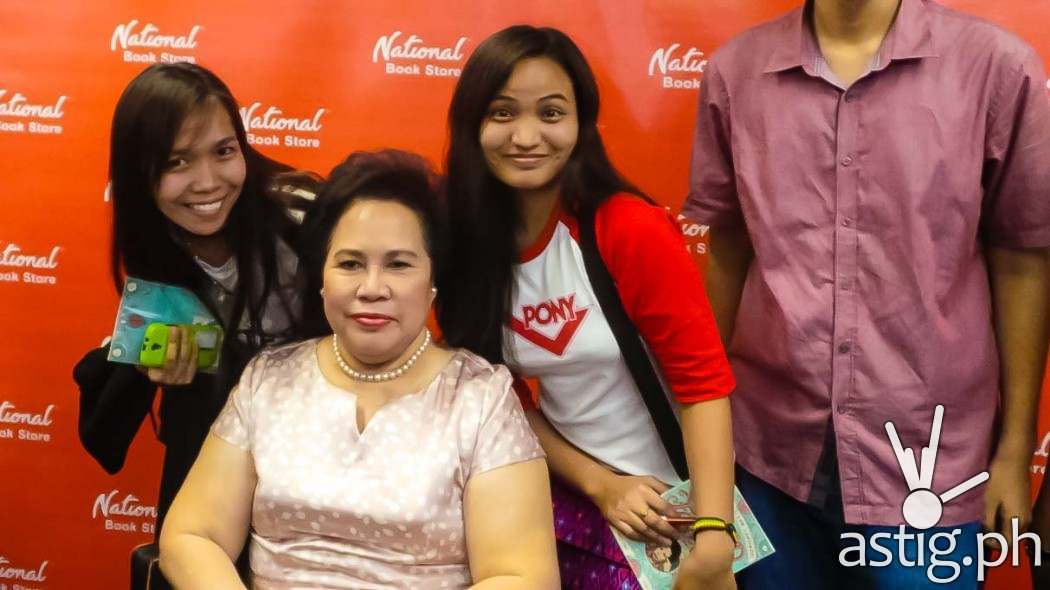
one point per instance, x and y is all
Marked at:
(474, 296)
(388, 175)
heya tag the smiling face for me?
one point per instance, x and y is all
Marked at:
(204, 173)
(377, 280)
(531, 127)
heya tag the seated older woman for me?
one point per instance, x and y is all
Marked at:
(370, 457)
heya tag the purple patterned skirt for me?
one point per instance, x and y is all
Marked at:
(588, 556)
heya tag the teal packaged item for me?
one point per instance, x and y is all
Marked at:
(147, 309)
(656, 566)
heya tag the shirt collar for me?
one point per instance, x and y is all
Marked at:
(910, 37)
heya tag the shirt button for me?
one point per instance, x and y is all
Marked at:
(847, 160)
(842, 409)
(844, 348)
(847, 221)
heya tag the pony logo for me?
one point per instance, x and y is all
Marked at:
(670, 64)
(561, 312)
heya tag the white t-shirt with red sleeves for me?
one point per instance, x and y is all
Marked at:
(558, 335)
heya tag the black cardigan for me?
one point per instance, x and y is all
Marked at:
(116, 398)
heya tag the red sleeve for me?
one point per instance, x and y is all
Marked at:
(527, 392)
(663, 294)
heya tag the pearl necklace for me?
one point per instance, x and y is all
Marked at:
(384, 376)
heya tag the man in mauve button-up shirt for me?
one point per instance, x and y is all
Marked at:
(876, 175)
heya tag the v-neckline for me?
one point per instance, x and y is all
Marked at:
(359, 430)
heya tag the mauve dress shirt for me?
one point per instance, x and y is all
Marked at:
(869, 210)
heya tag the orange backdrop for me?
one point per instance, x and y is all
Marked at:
(318, 79)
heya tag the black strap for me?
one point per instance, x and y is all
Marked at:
(634, 354)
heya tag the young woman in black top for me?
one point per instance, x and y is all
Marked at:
(194, 205)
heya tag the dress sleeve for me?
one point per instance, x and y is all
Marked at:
(504, 436)
(114, 400)
(663, 294)
(235, 422)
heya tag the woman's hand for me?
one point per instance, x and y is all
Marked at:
(634, 507)
(709, 565)
(180, 363)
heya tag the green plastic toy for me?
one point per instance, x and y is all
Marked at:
(155, 344)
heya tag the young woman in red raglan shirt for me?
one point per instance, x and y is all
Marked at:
(528, 181)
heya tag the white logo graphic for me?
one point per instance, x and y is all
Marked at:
(19, 107)
(939, 552)
(923, 508)
(11, 256)
(8, 415)
(260, 125)
(21, 425)
(134, 43)
(9, 572)
(694, 234)
(391, 49)
(1043, 451)
(678, 70)
(128, 508)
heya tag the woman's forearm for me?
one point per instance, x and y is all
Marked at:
(190, 562)
(708, 432)
(516, 583)
(573, 466)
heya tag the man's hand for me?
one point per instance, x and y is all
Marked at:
(1008, 493)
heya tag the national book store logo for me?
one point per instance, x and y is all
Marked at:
(147, 43)
(124, 513)
(922, 510)
(15, 576)
(677, 67)
(411, 55)
(269, 125)
(22, 114)
(32, 425)
(33, 268)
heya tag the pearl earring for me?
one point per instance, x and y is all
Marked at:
(322, 291)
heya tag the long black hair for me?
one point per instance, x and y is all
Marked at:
(147, 119)
(387, 175)
(483, 218)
